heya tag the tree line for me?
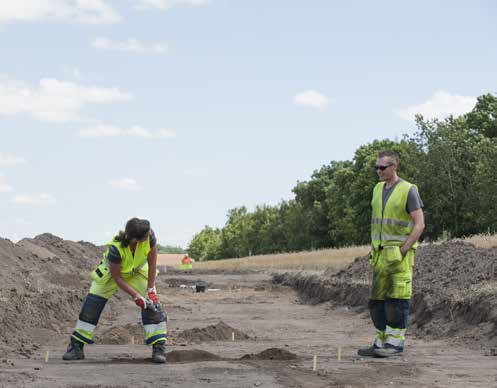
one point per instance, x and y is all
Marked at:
(169, 249)
(452, 161)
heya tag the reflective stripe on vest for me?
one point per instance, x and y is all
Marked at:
(389, 237)
(387, 221)
(393, 224)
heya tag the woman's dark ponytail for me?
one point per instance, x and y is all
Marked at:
(135, 228)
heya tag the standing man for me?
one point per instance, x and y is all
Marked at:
(397, 222)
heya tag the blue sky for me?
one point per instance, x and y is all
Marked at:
(178, 110)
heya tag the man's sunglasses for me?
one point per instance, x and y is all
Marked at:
(382, 168)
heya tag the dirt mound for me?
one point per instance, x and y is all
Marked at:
(455, 290)
(193, 355)
(271, 354)
(36, 250)
(196, 355)
(219, 332)
(82, 254)
(122, 335)
(42, 288)
(129, 333)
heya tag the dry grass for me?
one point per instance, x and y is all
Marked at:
(309, 261)
(334, 259)
(483, 240)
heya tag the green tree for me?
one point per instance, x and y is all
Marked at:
(236, 233)
(312, 197)
(206, 245)
(486, 184)
(483, 118)
(447, 173)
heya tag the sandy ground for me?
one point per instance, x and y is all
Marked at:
(273, 318)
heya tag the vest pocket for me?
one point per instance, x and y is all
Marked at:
(100, 274)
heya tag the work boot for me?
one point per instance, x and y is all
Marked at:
(74, 351)
(387, 352)
(159, 352)
(367, 352)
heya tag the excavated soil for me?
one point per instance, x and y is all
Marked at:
(455, 291)
(218, 332)
(271, 354)
(196, 355)
(43, 284)
(132, 333)
(193, 355)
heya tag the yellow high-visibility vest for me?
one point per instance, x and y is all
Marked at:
(392, 225)
(129, 263)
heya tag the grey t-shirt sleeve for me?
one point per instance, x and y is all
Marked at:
(113, 255)
(414, 201)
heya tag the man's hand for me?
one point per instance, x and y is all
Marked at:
(140, 302)
(153, 296)
(403, 250)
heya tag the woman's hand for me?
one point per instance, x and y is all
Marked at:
(140, 302)
(152, 295)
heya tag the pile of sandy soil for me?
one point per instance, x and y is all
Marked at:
(195, 355)
(455, 291)
(133, 333)
(271, 354)
(121, 335)
(82, 255)
(219, 332)
(43, 284)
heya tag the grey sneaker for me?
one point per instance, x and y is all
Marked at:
(159, 352)
(367, 352)
(387, 352)
(74, 351)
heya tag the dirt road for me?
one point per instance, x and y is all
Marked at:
(272, 318)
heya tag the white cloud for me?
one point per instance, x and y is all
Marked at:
(53, 100)
(125, 184)
(4, 186)
(167, 4)
(312, 99)
(442, 104)
(103, 130)
(82, 11)
(10, 160)
(42, 199)
(131, 45)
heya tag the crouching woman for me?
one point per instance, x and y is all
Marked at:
(129, 263)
